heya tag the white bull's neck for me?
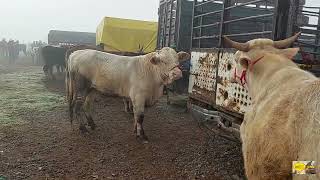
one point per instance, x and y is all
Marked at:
(153, 72)
(263, 76)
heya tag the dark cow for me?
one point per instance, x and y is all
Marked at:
(53, 56)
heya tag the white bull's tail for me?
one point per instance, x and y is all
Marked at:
(69, 85)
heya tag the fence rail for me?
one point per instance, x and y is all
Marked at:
(309, 40)
(212, 19)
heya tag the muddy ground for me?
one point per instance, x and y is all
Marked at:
(38, 142)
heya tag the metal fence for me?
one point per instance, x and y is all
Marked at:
(309, 40)
(242, 21)
(174, 29)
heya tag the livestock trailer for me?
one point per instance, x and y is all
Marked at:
(57, 37)
(212, 96)
(127, 35)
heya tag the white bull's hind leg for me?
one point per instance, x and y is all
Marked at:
(130, 106)
(87, 107)
(138, 103)
(77, 109)
(127, 105)
(77, 105)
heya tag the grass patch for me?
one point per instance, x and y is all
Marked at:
(24, 92)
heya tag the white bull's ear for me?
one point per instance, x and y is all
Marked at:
(155, 59)
(243, 59)
(183, 56)
(290, 52)
(244, 62)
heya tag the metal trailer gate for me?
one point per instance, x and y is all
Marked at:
(309, 42)
(309, 39)
(174, 29)
(210, 88)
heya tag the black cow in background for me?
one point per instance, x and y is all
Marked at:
(53, 56)
(56, 56)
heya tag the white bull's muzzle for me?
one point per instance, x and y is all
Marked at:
(174, 74)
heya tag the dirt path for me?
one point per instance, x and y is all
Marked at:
(39, 143)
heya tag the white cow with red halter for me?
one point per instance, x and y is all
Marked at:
(283, 123)
(242, 78)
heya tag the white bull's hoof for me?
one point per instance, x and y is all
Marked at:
(92, 125)
(129, 111)
(142, 139)
(83, 129)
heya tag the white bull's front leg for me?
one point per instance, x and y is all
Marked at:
(138, 103)
(127, 105)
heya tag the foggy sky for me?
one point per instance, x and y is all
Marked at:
(28, 20)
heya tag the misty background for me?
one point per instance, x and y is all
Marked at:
(29, 20)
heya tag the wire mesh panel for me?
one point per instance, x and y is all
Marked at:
(202, 79)
(231, 96)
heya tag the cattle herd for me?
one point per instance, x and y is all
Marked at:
(281, 126)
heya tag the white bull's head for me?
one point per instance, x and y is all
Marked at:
(167, 62)
(251, 52)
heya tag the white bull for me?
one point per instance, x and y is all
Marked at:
(139, 79)
(283, 123)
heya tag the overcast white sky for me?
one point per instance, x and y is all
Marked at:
(28, 20)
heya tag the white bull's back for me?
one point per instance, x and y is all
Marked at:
(107, 72)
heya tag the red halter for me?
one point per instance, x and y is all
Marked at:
(242, 77)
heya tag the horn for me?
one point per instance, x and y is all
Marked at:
(286, 42)
(239, 46)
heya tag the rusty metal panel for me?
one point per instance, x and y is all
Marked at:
(203, 75)
(230, 96)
